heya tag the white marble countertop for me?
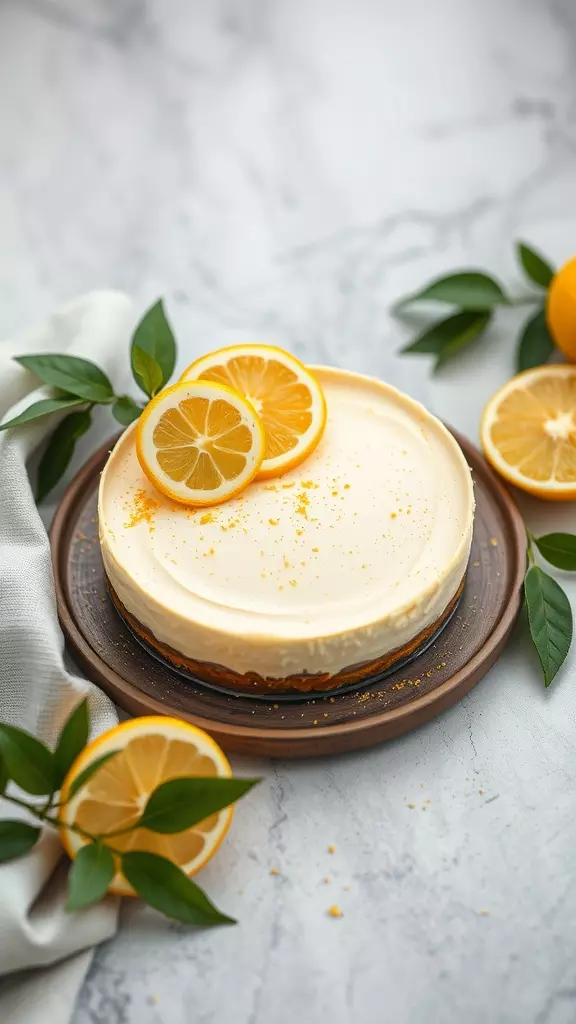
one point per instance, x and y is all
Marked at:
(286, 168)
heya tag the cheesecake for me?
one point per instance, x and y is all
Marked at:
(326, 577)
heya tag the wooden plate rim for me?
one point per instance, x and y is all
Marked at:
(121, 689)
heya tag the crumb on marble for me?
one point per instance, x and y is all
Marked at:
(334, 911)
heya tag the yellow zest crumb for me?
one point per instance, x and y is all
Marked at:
(286, 486)
(273, 522)
(270, 487)
(276, 706)
(412, 806)
(208, 517)
(315, 721)
(308, 484)
(299, 533)
(494, 542)
(286, 563)
(392, 515)
(331, 849)
(334, 494)
(346, 487)
(315, 550)
(483, 912)
(475, 564)
(326, 880)
(274, 871)
(293, 583)
(302, 508)
(335, 911)
(143, 509)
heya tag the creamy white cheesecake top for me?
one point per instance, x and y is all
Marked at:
(338, 562)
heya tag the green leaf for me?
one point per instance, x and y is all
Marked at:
(447, 337)
(470, 289)
(536, 267)
(550, 620)
(147, 372)
(536, 345)
(166, 888)
(465, 338)
(90, 875)
(126, 410)
(43, 408)
(154, 336)
(181, 803)
(16, 838)
(88, 772)
(4, 774)
(559, 549)
(29, 762)
(70, 373)
(59, 450)
(432, 340)
(72, 740)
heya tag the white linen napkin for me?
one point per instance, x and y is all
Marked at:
(44, 951)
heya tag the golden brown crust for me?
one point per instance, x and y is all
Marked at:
(251, 682)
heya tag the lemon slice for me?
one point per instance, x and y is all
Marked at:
(528, 432)
(149, 751)
(200, 442)
(284, 393)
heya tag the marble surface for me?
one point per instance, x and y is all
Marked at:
(284, 169)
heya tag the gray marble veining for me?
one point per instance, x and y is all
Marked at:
(284, 169)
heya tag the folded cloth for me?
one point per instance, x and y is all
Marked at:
(44, 951)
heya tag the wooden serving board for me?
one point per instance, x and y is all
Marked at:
(468, 646)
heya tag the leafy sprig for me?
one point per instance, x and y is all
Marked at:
(476, 297)
(174, 806)
(80, 385)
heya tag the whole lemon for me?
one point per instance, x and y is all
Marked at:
(561, 309)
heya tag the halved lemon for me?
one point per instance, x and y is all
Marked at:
(528, 432)
(150, 750)
(199, 442)
(285, 394)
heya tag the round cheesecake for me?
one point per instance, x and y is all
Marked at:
(322, 578)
